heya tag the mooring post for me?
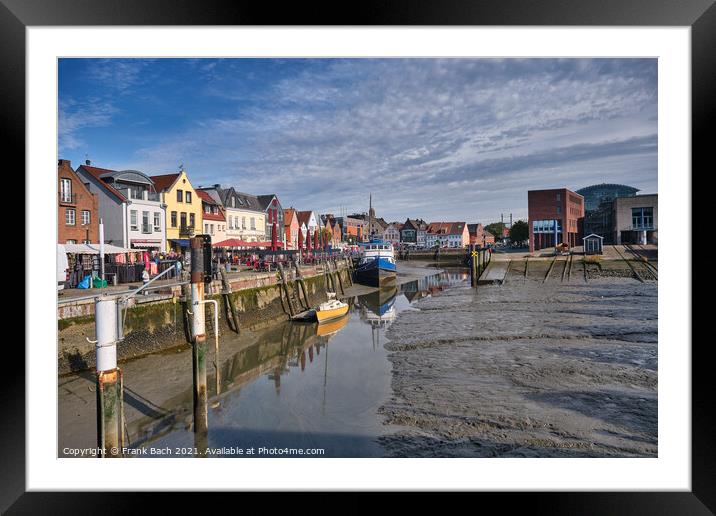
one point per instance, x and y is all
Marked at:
(473, 266)
(108, 391)
(201, 420)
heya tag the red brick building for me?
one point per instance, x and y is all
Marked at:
(554, 216)
(77, 208)
(478, 235)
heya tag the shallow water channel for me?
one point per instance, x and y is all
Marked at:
(293, 386)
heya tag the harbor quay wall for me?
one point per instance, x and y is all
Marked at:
(158, 322)
(446, 256)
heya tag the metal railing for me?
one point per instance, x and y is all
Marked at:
(186, 231)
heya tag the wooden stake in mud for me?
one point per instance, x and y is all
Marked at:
(285, 289)
(229, 301)
(109, 395)
(302, 286)
(340, 280)
(201, 419)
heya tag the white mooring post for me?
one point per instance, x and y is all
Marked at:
(109, 392)
(101, 248)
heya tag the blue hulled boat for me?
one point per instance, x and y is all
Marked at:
(376, 267)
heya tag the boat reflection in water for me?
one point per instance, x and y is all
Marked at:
(378, 309)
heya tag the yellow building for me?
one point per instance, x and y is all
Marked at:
(184, 210)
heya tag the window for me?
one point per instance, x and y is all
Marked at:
(559, 210)
(546, 226)
(70, 217)
(85, 217)
(211, 229)
(145, 222)
(86, 242)
(187, 197)
(65, 190)
(191, 219)
(243, 222)
(133, 220)
(253, 223)
(174, 219)
(642, 218)
(182, 218)
(157, 221)
(180, 195)
(72, 241)
(559, 196)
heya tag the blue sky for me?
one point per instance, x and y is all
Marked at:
(438, 139)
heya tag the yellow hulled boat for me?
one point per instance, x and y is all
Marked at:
(331, 309)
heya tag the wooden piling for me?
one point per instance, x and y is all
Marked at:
(226, 293)
(200, 392)
(473, 266)
(284, 287)
(108, 391)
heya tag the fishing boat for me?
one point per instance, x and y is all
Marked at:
(376, 267)
(331, 309)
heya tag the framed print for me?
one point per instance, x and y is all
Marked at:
(417, 250)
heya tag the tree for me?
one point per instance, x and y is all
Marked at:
(497, 229)
(519, 232)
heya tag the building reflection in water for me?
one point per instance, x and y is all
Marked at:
(287, 346)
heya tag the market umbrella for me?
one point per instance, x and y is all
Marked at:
(274, 247)
(300, 240)
(316, 240)
(308, 241)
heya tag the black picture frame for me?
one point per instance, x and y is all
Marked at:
(700, 15)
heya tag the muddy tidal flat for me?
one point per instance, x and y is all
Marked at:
(526, 369)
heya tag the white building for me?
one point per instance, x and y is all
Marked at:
(245, 218)
(131, 210)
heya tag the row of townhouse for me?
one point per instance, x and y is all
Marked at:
(420, 234)
(162, 212)
(159, 212)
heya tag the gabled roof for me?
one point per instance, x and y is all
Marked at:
(265, 200)
(472, 228)
(303, 217)
(205, 197)
(97, 173)
(288, 215)
(67, 166)
(245, 201)
(411, 223)
(446, 228)
(164, 182)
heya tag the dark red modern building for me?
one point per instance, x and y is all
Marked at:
(555, 216)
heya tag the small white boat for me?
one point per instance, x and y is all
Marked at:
(331, 309)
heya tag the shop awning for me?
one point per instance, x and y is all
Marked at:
(146, 244)
(183, 242)
(92, 249)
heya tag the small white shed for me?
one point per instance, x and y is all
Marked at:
(593, 244)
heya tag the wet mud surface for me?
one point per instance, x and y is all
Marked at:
(527, 369)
